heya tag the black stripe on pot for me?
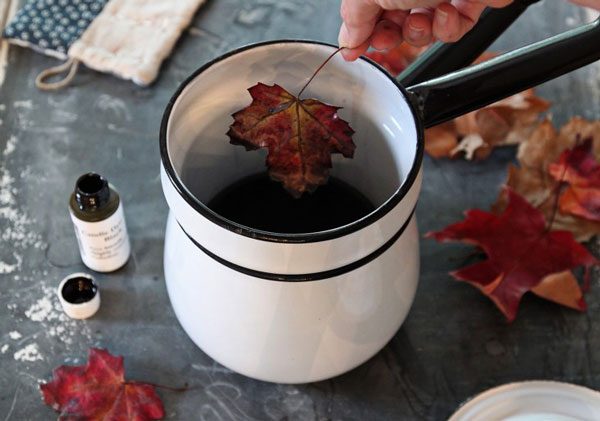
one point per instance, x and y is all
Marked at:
(312, 237)
(305, 277)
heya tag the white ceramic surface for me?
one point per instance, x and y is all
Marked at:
(532, 401)
(282, 330)
(290, 332)
(199, 151)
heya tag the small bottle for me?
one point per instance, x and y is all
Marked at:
(97, 214)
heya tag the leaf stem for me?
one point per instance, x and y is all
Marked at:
(159, 386)
(319, 69)
(557, 191)
(561, 182)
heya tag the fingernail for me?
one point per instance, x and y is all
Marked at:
(441, 16)
(343, 36)
(415, 32)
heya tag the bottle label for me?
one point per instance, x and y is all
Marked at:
(104, 245)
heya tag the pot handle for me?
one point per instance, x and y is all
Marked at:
(442, 58)
(446, 97)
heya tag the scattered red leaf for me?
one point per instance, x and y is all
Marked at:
(521, 254)
(476, 134)
(98, 391)
(581, 201)
(579, 168)
(300, 136)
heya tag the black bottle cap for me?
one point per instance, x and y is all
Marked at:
(91, 191)
(79, 295)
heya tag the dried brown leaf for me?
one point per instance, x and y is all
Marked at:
(532, 180)
(475, 135)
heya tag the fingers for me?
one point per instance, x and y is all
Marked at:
(450, 23)
(359, 20)
(386, 32)
(453, 20)
(496, 3)
(383, 24)
(594, 4)
(417, 29)
(406, 4)
(351, 54)
(473, 8)
(386, 35)
(396, 16)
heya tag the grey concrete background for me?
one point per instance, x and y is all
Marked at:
(453, 345)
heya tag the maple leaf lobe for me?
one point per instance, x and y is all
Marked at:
(521, 252)
(532, 179)
(98, 390)
(300, 135)
(579, 168)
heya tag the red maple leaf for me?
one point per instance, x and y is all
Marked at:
(578, 167)
(300, 136)
(521, 252)
(98, 391)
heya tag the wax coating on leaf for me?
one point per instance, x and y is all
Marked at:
(98, 391)
(533, 181)
(299, 134)
(520, 251)
(579, 168)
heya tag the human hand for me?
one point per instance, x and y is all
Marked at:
(594, 4)
(383, 24)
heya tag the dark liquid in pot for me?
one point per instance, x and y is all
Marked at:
(261, 203)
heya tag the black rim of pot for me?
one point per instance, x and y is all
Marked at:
(310, 237)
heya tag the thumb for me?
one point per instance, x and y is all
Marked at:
(359, 19)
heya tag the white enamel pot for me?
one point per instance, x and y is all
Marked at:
(295, 308)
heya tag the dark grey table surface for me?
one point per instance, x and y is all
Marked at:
(453, 345)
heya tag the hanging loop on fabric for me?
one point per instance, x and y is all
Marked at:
(70, 66)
